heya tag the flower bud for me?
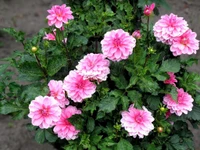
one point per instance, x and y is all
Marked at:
(136, 34)
(148, 9)
(34, 49)
(159, 129)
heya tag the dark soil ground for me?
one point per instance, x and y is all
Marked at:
(29, 16)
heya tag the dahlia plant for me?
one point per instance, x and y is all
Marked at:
(101, 76)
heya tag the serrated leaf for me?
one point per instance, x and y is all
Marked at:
(9, 108)
(124, 145)
(77, 121)
(170, 65)
(132, 81)
(108, 104)
(18, 35)
(125, 102)
(90, 124)
(135, 97)
(174, 93)
(55, 64)
(153, 102)
(50, 136)
(195, 113)
(30, 69)
(40, 136)
(120, 81)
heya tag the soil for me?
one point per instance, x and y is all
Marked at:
(29, 16)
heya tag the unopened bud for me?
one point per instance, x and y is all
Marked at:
(148, 9)
(34, 49)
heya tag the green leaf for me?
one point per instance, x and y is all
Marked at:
(125, 102)
(55, 63)
(77, 121)
(124, 145)
(135, 97)
(161, 76)
(153, 102)
(9, 108)
(120, 81)
(170, 65)
(50, 136)
(95, 139)
(195, 113)
(30, 69)
(40, 136)
(108, 104)
(18, 35)
(132, 81)
(148, 84)
(151, 146)
(90, 124)
(174, 93)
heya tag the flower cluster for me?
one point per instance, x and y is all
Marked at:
(184, 101)
(174, 31)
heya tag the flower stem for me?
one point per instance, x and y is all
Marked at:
(41, 68)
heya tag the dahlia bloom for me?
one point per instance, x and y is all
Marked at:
(117, 45)
(77, 88)
(59, 15)
(136, 34)
(148, 9)
(57, 91)
(185, 44)
(63, 127)
(183, 104)
(94, 67)
(169, 27)
(49, 36)
(172, 79)
(44, 111)
(137, 122)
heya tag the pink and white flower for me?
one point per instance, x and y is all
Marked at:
(94, 67)
(185, 44)
(49, 36)
(183, 104)
(77, 88)
(136, 34)
(59, 15)
(137, 122)
(172, 79)
(169, 27)
(63, 127)
(57, 91)
(148, 9)
(44, 111)
(117, 45)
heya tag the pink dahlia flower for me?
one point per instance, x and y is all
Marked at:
(63, 127)
(137, 122)
(172, 79)
(94, 67)
(57, 91)
(169, 27)
(59, 15)
(183, 104)
(117, 45)
(148, 9)
(136, 34)
(44, 111)
(77, 88)
(49, 36)
(185, 44)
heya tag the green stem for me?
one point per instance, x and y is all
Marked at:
(41, 68)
